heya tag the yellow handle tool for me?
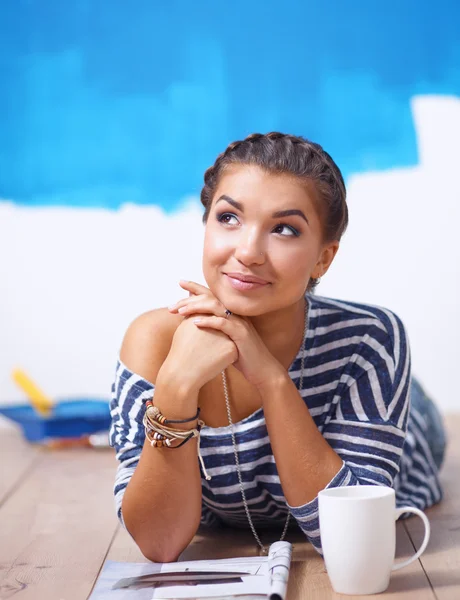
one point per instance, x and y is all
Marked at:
(42, 404)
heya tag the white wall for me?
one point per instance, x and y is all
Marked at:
(73, 279)
(402, 247)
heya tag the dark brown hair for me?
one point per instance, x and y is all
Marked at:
(280, 153)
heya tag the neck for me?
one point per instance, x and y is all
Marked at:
(282, 331)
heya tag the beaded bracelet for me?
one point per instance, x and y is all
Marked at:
(159, 435)
(163, 436)
(159, 440)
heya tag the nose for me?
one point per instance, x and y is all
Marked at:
(249, 249)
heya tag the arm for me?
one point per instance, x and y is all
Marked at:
(151, 482)
(161, 506)
(158, 490)
(360, 443)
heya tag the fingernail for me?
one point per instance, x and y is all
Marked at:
(182, 309)
(197, 320)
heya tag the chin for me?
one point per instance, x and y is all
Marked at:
(245, 307)
(236, 302)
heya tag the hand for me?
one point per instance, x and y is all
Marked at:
(207, 313)
(200, 355)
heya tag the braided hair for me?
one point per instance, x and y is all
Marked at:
(280, 153)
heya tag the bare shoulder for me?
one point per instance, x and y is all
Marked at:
(148, 340)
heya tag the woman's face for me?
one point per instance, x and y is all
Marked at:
(265, 227)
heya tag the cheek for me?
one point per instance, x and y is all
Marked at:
(216, 245)
(290, 260)
(295, 274)
(293, 270)
(215, 252)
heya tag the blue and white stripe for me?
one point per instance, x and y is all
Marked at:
(356, 384)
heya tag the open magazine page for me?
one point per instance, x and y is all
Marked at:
(254, 579)
(223, 578)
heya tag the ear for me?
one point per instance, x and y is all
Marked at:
(325, 259)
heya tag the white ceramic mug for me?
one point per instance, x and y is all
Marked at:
(358, 537)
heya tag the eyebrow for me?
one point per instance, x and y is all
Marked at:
(276, 215)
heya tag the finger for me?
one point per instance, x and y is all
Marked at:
(195, 308)
(185, 301)
(193, 287)
(211, 306)
(234, 327)
(213, 322)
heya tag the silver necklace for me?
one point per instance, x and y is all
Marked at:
(235, 449)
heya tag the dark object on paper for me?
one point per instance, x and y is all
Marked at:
(179, 578)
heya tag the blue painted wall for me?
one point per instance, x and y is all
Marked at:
(104, 102)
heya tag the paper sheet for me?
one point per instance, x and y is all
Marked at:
(267, 578)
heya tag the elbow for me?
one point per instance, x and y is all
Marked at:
(156, 550)
(157, 554)
(165, 549)
(160, 541)
(159, 549)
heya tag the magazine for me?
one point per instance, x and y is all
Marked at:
(250, 577)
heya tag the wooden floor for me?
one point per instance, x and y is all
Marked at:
(57, 526)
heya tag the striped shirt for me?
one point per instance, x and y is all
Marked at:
(356, 385)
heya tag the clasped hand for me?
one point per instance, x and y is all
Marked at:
(254, 359)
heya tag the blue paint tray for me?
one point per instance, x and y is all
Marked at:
(68, 419)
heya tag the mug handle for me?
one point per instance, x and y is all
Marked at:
(416, 511)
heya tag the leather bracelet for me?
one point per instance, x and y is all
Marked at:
(167, 421)
(162, 419)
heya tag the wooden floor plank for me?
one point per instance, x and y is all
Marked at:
(441, 559)
(56, 528)
(58, 524)
(18, 457)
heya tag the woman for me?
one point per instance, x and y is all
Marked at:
(297, 392)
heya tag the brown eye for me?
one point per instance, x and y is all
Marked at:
(225, 218)
(281, 226)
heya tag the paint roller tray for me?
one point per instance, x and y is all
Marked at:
(68, 419)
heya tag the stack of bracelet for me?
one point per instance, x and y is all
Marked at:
(160, 435)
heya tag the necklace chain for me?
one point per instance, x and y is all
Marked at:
(235, 449)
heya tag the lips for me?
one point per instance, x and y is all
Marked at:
(247, 278)
(245, 283)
